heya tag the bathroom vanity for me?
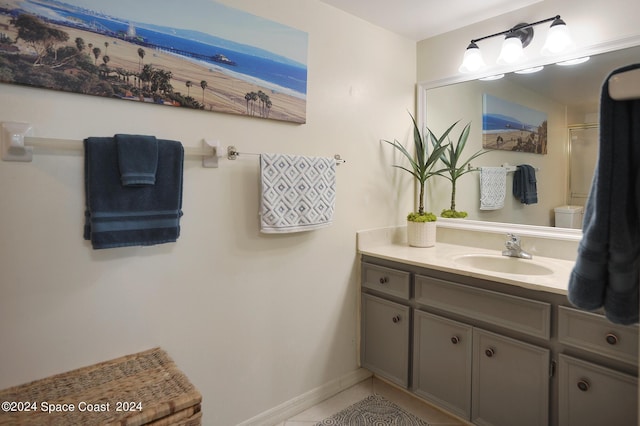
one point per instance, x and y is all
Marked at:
(498, 346)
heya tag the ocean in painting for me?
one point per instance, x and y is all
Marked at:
(496, 123)
(500, 115)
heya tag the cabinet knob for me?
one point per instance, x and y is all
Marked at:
(583, 385)
(396, 319)
(384, 280)
(455, 340)
(612, 339)
(490, 352)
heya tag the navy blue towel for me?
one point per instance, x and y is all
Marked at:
(525, 184)
(118, 216)
(607, 268)
(137, 159)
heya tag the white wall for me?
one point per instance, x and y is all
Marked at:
(253, 320)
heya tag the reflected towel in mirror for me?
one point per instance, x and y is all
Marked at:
(493, 187)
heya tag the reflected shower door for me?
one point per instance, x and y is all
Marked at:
(582, 162)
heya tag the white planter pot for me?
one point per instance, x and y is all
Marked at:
(421, 234)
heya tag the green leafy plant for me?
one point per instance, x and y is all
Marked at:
(455, 167)
(421, 167)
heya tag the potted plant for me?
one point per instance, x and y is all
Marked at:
(421, 226)
(455, 167)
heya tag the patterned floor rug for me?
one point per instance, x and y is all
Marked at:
(373, 411)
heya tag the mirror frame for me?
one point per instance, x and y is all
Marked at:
(566, 234)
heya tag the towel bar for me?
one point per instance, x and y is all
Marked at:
(18, 145)
(233, 153)
(509, 167)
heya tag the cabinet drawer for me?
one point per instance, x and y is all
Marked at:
(386, 280)
(385, 338)
(593, 332)
(591, 395)
(526, 316)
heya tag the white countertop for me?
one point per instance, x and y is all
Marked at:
(442, 257)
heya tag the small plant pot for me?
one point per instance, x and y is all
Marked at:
(421, 234)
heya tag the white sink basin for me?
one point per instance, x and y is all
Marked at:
(502, 264)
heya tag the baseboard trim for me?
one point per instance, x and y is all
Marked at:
(300, 403)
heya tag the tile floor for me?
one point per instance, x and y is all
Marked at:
(426, 412)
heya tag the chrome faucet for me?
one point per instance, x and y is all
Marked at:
(513, 248)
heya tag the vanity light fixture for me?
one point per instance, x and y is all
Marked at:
(516, 39)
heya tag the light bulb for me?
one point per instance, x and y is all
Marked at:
(558, 39)
(511, 52)
(472, 60)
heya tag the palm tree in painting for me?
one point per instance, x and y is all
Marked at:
(161, 81)
(262, 97)
(106, 47)
(105, 66)
(254, 98)
(247, 98)
(141, 54)
(268, 105)
(106, 60)
(189, 83)
(96, 53)
(146, 76)
(265, 103)
(204, 85)
(80, 44)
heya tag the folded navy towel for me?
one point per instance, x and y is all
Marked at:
(607, 269)
(137, 159)
(117, 215)
(525, 187)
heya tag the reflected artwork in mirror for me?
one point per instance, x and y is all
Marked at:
(568, 95)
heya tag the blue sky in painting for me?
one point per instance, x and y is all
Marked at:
(208, 17)
(521, 113)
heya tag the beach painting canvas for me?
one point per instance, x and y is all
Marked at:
(197, 54)
(512, 127)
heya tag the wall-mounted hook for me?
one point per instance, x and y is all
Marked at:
(13, 147)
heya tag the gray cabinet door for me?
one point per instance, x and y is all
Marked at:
(442, 362)
(510, 381)
(385, 338)
(591, 395)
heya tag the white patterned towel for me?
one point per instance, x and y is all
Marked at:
(298, 193)
(493, 187)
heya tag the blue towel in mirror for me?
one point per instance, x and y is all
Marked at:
(525, 184)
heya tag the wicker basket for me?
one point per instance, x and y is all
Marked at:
(139, 389)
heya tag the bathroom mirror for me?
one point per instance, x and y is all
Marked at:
(569, 95)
